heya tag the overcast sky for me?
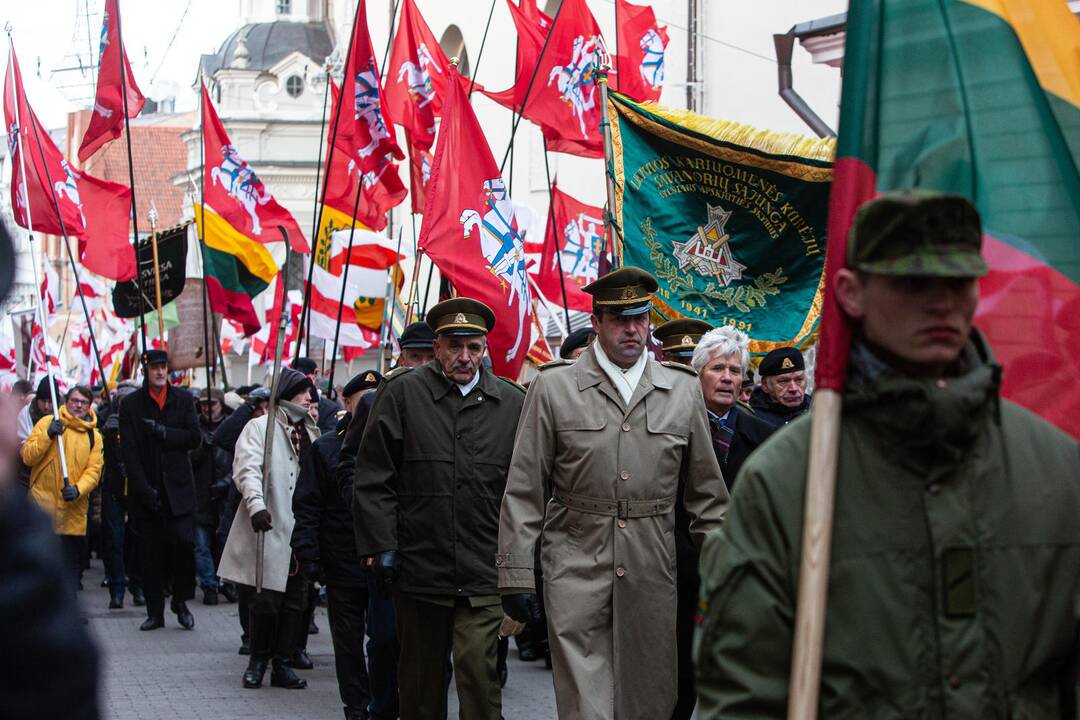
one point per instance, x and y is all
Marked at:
(46, 31)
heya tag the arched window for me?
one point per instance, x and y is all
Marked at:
(453, 44)
(294, 86)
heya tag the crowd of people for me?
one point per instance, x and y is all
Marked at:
(633, 517)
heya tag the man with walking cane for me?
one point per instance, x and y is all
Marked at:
(954, 581)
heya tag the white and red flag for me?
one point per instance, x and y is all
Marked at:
(107, 121)
(470, 232)
(93, 210)
(639, 63)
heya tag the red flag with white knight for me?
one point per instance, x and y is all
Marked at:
(639, 63)
(578, 236)
(416, 80)
(532, 27)
(565, 100)
(235, 193)
(470, 232)
(107, 120)
(95, 211)
(365, 145)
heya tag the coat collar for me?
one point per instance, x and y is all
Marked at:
(589, 374)
(439, 385)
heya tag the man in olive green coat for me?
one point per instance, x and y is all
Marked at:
(428, 483)
(603, 444)
(954, 583)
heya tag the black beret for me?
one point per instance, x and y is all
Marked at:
(581, 337)
(780, 361)
(362, 381)
(417, 335)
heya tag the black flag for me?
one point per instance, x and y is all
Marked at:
(172, 259)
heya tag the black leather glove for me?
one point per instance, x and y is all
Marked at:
(70, 493)
(260, 521)
(111, 423)
(312, 571)
(155, 428)
(386, 567)
(520, 607)
(56, 427)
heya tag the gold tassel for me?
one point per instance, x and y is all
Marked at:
(774, 143)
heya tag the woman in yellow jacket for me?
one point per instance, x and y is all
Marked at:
(83, 451)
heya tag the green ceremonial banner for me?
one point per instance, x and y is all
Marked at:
(730, 219)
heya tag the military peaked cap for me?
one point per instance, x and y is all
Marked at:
(626, 291)
(461, 316)
(154, 357)
(680, 337)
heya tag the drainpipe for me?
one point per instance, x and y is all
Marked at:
(785, 43)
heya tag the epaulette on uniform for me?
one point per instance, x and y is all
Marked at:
(396, 373)
(518, 386)
(558, 362)
(745, 406)
(679, 366)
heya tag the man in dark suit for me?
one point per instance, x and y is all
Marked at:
(720, 357)
(158, 427)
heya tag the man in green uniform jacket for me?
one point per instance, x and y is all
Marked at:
(428, 485)
(954, 584)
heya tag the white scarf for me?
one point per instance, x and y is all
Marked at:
(625, 381)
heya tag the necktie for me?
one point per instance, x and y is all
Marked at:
(722, 434)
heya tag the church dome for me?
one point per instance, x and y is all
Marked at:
(267, 43)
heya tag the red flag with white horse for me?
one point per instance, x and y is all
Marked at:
(471, 233)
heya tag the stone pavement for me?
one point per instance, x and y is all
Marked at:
(172, 673)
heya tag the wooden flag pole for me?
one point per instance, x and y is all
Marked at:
(271, 413)
(814, 563)
(613, 231)
(153, 215)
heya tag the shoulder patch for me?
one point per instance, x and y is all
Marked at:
(679, 366)
(396, 373)
(559, 362)
(508, 381)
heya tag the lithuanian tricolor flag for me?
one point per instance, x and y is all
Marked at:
(980, 98)
(237, 268)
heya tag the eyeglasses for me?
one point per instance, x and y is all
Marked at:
(78, 402)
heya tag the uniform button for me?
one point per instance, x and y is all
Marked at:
(625, 474)
(626, 427)
(480, 398)
(622, 523)
(934, 488)
(620, 571)
(954, 681)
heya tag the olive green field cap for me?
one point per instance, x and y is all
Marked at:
(917, 233)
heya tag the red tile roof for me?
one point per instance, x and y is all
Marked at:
(159, 155)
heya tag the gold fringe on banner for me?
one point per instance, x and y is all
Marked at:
(774, 143)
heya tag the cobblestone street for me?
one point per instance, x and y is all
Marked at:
(171, 673)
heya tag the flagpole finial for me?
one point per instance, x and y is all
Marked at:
(8, 28)
(454, 62)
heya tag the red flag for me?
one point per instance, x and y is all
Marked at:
(419, 175)
(470, 232)
(416, 83)
(639, 64)
(578, 235)
(107, 121)
(365, 143)
(94, 210)
(532, 27)
(564, 99)
(236, 193)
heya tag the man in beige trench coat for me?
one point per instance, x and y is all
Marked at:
(601, 447)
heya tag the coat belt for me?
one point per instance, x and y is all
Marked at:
(621, 509)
